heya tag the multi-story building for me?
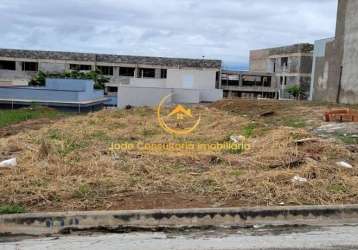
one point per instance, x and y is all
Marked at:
(289, 65)
(248, 84)
(17, 67)
(335, 76)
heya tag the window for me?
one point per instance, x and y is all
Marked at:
(233, 80)
(112, 89)
(125, 71)
(8, 65)
(80, 67)
(105, 70)
(283, 80)
(284, 61)
(266, 81)
(163, 73)
(146, 73)
(248, 81)
(30, 66)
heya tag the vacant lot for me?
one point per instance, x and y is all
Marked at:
(67, 165)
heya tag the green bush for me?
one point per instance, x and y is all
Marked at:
(99, 80)
(12, 209)
(296, 91)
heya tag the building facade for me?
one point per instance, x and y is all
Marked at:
(289, 65)
(245, 84)
(17, 67)
(336, 76)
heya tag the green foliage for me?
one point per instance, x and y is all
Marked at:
(249, 130)
(337, 188)
(99, 80)
(39, 79)
(295, 90)
(83, 191)
(12, 209)
(8, 117)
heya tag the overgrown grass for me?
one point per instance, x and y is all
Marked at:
(294, 122)
(9, 117)
(347, 139)
(11, 209)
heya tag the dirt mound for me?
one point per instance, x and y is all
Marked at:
(251, 107)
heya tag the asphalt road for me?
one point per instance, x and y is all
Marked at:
(343, 237)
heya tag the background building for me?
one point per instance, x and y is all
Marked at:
(249, 84)
(17, 67)
(289, 65)
(336, 75)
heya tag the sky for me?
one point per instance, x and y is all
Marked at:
(214, 29)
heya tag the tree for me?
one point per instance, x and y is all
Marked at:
(296, 91)
(39, 79)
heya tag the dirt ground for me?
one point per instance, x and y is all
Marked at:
(24, 126)
(68, 164)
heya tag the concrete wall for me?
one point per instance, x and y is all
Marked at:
(258, 61)
(188, 96)
(141, 96)
(336, 74)
(349, 91)
(53, 67)
(148, 82)
(56, 90)
(211, 95)
(319, 77)
(191, 79)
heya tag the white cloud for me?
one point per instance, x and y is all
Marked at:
(225, 29)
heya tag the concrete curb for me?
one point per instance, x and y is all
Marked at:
(54, 223)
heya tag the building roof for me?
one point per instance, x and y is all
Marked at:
(107, 58)
(248, 73)
(295, 48)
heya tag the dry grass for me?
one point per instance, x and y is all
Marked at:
(68, 166)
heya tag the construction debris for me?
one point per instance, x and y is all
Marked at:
(237, 138)
(268, 113)
(8, 163)
(298, 179)
(341, 115)
(344, 164)
(306, 140)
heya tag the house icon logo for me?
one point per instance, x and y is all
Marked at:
(178, 121)
(181, 112)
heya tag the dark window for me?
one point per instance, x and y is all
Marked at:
(283, 80)
(163, 73)
(284, 61)
(266, 81)
(105, 70)
(150, 73)
(233, 80)
(8, 65)
(125, 71)
(248, 81)
(80, 67)
(30, 66)
(112, 89)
